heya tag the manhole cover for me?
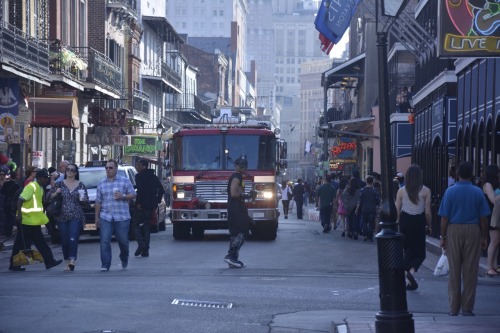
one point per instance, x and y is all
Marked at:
(202, 304)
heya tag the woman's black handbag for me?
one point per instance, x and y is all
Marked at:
(55, 206)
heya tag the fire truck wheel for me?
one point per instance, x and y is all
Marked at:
(181, 232)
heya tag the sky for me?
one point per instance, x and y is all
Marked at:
(337, 49)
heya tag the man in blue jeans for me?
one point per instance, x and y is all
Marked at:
(112, 213)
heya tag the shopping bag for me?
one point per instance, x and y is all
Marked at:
(27, 257)
(442, 267)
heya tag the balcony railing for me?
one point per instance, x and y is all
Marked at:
(171, 76)
(163, 72)
(23, 51)
(125, 7)
(140, 105)
(101, 70)
(67, 61)
(340, 112)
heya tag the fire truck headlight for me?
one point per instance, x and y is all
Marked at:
(180, 195)
(266, 195)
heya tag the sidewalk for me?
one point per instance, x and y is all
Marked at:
(333, 321)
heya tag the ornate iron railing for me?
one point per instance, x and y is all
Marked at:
(140, 105)
(101, 70)
(23, 51)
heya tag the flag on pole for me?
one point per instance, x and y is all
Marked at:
(332, 20)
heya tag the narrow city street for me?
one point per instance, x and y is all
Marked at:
(303, 271)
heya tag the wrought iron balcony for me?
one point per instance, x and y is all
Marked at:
(101, 71)
(66, 61)
(22, 51)
(140, 106)
(162, 72)
(127, 8)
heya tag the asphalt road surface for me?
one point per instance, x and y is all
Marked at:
(303, 270)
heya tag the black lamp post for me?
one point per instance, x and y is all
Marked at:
(160, 129)
(393, 316)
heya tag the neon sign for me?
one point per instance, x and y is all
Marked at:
(469, 28)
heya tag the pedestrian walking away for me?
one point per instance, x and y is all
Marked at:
(30, 218)
(326, 196)
(237, 214)
(112, 213)
(350, 199)
(491, 189)
(413, 205)
(341, 209)
(71, 219)
(367, 207)
(298, 197)
(149, 194)
(286, 196)
(464, 231)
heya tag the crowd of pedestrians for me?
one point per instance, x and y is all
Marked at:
(470, 221)
(27, 203)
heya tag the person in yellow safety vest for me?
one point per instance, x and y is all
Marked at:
(30, 218)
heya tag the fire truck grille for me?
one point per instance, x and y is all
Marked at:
(215, 190)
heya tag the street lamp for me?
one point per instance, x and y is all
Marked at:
(160, 129)
(393, 316)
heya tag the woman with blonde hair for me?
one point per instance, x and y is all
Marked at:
(413, 205)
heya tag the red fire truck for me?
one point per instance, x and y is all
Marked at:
(201, 160)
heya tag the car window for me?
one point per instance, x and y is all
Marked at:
(91, 176)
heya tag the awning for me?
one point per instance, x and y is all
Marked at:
(54, 112)
(356, 126)
(163, 28)
(353, 68)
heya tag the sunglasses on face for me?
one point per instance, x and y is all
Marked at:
(109, 168)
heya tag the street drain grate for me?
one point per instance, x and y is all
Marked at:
(202, 304)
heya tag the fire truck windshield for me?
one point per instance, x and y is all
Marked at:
(219, 151)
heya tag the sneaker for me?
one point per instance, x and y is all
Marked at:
(104, 269)
(233, 263)
(138, 252)
(124, 264)
(145, 253)
(54, 263)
